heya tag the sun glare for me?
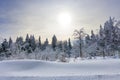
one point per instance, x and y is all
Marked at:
(64, 19)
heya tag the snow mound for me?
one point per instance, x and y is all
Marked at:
(34, 68)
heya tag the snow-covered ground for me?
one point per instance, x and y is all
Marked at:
(97, 69)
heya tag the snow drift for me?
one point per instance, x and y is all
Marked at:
(39, 69)
(42, 68)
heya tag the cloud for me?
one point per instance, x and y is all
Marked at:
(39, 17)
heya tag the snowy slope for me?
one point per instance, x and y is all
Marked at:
(35, 70)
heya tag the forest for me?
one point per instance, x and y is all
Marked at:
(106, 43)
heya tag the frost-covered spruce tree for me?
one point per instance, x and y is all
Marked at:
(108, 28)
(39, 43)
(10, 42)
(19, 44)
(69, 44)
(101, 32)
(26, 43)
(87, 40)
(69, 47)
(117, 25)
(19, 40)
(110, 35)
(101, 41)
(5, 49)
(5, 45)
(114, 36)
(93, 37)
(32, 42)
(54, 42)
(45, 44)
(27, 38)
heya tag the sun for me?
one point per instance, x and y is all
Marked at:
(64, 19)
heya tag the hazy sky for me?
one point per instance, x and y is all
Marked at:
(40, 17)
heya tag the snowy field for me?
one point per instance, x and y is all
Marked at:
(97, 69)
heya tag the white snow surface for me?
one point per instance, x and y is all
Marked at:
(97, 69)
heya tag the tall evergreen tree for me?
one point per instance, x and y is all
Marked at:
(87, 40)
(19, 40)
(101, 32)
(69, 44)
(27, 38)
(39, 43)
(10, 42)
(54, 42)
(5, 45)
(93, 38)
(69, 47)
(32, 43)
(45, 44)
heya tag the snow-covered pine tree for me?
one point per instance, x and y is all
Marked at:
(87, 40)
(19, 40)
(69, 47)
(54, 42)
(39, 43)
(10, 42)
(5, 49)
(93, 37)
(27, 38)
(69, 44)
(19, 44)
(45, 44)
(101, 32)
(5, 45)
(32, 42)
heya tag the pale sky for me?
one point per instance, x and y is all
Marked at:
(41, 17)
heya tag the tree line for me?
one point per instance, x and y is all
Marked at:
(105, 43)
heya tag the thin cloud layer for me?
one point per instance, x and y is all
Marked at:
(39, 17)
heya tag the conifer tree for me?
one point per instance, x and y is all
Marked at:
(39, 43)
(54, 42)
(69, 47)
(27, 38)
(5, 45)
(45, 44)
(69, 44)
(10, 42)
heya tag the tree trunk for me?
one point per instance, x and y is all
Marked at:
(103, 53)
(81, 50)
